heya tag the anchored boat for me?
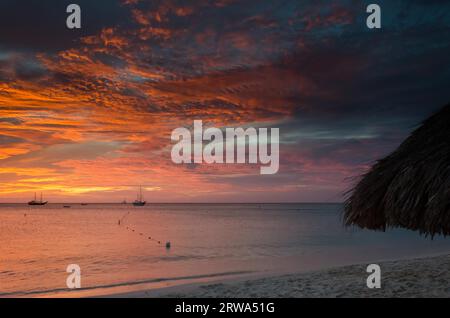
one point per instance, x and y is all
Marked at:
(139, 201)
(36, 202)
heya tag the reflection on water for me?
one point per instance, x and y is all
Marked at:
(208, 241)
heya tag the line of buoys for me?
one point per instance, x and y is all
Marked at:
(121, 221)
(123, 217)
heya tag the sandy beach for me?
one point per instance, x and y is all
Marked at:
(274, 250)
(424, 277)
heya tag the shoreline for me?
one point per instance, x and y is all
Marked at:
(416, 277)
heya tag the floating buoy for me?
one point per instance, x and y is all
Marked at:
(121, 221)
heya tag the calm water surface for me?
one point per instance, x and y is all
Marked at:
(209, 242)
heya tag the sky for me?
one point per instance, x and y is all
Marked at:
(86, 115)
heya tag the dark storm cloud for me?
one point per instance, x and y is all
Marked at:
(13, 121)
(5, 140)
(374, 85)
(40, 25)
(357, 73)
(29, 70)
(341, 94)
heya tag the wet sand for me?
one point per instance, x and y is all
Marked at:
(424, 277)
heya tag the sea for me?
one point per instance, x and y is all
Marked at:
(119, 248)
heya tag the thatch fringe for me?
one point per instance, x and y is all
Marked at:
(411, 187)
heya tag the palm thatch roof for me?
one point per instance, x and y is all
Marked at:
(409, 188)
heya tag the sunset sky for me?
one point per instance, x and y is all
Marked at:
(86, 115)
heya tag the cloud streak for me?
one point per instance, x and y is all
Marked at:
(88, 115)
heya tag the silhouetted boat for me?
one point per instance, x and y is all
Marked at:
(139, 201)
(36, 202)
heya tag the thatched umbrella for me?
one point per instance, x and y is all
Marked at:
(409, 188)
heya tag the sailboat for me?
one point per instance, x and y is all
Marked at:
(36, 202)
(139, 201)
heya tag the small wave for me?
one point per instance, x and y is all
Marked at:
(124, 284)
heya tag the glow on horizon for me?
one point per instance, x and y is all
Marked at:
(90, 119)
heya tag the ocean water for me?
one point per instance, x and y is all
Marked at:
(208, 242)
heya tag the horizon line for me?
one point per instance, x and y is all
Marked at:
(149, 203)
